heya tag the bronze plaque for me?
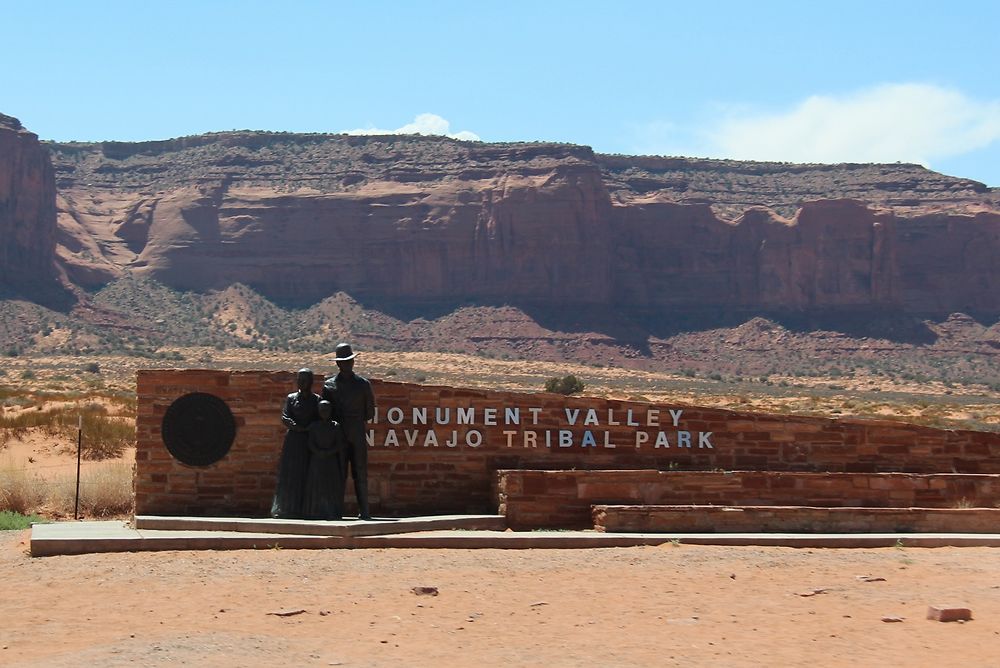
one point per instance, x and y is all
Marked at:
(198, 429)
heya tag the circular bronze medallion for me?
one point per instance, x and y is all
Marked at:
(198, 429)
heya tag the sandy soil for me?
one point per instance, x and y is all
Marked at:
(655, 606)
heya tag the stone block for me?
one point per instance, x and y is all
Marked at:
(948, 613)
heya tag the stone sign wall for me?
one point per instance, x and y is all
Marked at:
(436, 449)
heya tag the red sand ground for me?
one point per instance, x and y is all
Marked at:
(651, 606)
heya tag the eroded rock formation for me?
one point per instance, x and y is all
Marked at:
(428, 219)
(27, 210)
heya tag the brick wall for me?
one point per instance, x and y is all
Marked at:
(793, 519)
(449, 467)
(563, 499)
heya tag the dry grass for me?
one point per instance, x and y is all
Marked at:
(105, 491)
(20, 491)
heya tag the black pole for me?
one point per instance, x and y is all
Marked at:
(79, 451)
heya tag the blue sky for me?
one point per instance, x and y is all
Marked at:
(823, 81)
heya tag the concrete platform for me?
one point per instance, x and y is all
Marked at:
(347, 527)
(64, 538)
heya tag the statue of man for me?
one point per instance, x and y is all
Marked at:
(353, 405)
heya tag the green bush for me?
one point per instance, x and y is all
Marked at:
(10, 520)
(566, 385)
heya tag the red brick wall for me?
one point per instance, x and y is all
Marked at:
(793, 519)
(454, 476)
(563, 499)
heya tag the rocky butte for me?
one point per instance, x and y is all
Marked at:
(422, 220)
(27, 210)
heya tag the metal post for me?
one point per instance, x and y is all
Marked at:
(79, 452)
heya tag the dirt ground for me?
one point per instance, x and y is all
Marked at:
(651, 606)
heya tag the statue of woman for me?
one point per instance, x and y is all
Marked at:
(301, 410)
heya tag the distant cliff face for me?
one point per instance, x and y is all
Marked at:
(27, 209)
(428, 219)
(833, 254)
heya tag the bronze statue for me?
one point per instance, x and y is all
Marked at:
(324, 496)
(301, 410)
(353, 405)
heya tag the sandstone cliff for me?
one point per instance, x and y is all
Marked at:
(27, 210)
(832, 254)
(428, 219)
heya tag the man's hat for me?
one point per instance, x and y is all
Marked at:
(344, 352)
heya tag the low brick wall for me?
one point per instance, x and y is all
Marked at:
(436, 449)
(793, 519)
(563, 499)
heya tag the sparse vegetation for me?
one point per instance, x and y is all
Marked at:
(175, 326)
(104, 435)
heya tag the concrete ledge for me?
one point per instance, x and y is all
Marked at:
(68, 538)
(348, 527)
(792, 519)
(117, 536)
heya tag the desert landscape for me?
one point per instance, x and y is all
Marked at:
(44, 394)
(840, 290)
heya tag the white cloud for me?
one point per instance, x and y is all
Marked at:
(423, 124)
(905, 122)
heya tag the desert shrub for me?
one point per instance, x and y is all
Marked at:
(566, 385)
(92, 367)
(104, 436)
(15, 426)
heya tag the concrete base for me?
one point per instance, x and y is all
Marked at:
(347, 527)
(116, 536)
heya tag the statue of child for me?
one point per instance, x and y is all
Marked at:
(324, 496)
